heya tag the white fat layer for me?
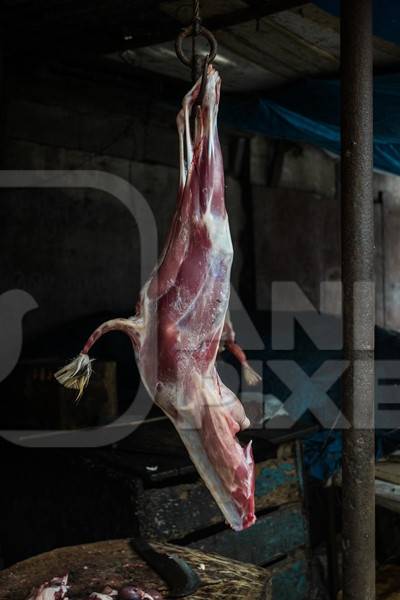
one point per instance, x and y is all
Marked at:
(189, 147)
(219, 233)
(189, 424)
(195, 447)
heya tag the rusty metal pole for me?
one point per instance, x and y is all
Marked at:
(358, 300)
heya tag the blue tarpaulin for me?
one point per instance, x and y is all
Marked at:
(309, 111)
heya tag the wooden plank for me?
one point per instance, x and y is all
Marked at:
(317, 34)
(388, 503)
(388, 471)
(245, 76)
(103, 30)
(385, 53)
(290, 578)
(92, 566)
(277, 50)
(272, 536)
(209, 9)
(391, 250)
(379, 263)
(387, 494)
(277, 483)
(173, 512)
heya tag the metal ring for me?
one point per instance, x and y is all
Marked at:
(189, 31)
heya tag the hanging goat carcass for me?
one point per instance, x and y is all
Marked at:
(179, 324)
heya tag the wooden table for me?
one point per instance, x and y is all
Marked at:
(93, 566)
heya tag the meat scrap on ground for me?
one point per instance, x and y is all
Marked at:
(56, 589)
(108, 593)
(176, 332)
(131, 592)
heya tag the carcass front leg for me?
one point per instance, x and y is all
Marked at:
(228, 342)
(250, 375)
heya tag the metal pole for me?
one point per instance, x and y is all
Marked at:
(358, 300)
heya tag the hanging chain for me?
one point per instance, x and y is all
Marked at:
(195, 30)
(196, 26)
(196, 16)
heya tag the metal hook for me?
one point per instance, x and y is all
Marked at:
(191, 31)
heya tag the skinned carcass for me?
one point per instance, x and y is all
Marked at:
(179, 324)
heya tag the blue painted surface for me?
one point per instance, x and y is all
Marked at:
(299, 467)
(291, 583)
(269, 479)
(273, 535)
(309, 112)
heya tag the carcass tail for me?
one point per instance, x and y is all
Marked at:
(76, 374)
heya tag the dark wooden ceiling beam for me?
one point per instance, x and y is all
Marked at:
(257, 9)
(101, 28)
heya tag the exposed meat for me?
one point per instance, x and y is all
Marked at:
(56, 589)
(131, 592)
(108, 593)
(177, 329)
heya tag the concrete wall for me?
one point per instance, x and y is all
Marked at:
(296, 199)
